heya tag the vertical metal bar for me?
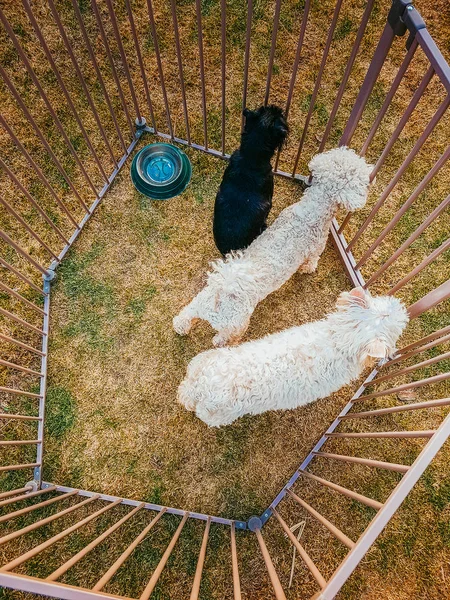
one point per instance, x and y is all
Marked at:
(35, 586)
(123, 56)
(408, 386)
(201, 560)
(404, 119)
(141, 63)
(367, 462)
(11, 292)
(417, 146)
(431, 217)
(234, 563)
(62, 85)
(27, 496)
(43, 382)
(36, 128)
(17, 467)
(123, 557)
(348, 70)
(325, 522)
(159, 64)
(59, 536)
(180, 69)
(11, 365)
(18, 417)
(112, 65)
(426, 261)
(391, 505)
(8, 390)
(33, 526)
(11, 340)
(19, 250)
(390, 95)
(279, 593)
(19, 443)
(302, 552)
(342, 490)
(276, 22)
(14, 317)
(25, 225)
(223, 8)
(198, 8)
(318, 82)
(98, 73)
(98, 540)
(298, 52)
(14, 492)
(395, 409)
(381, 51)
(399, 214)
(21, 344)
(431, 51)
(416, 351)
(31, 200)
(430, 300)
(379, 435)
(6, 265)
(37, 170)
(432, 336)
(248, 32)
(162, 563)
(419, 365)
(44, 97)
(39, 505)
(80, 78)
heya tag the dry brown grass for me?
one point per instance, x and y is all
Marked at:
(113, 423)
(122, 362)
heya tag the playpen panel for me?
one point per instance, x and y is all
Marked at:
(144, 68)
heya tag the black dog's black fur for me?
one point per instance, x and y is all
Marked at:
(244, 199)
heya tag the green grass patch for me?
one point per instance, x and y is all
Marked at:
(60, 412)
(344, 27)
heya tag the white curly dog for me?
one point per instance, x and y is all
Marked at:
(296, 366)
(293, 242)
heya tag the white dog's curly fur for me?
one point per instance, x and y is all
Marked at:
(296, 366)
(293, 242)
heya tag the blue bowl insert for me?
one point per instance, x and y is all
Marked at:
(161, 171)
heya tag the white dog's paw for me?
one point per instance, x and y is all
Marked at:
(220, 340)
(181, 325)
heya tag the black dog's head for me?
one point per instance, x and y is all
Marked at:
(265, 128)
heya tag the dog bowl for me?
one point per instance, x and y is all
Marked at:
(160, 171)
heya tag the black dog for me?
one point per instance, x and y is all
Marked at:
(244, 199)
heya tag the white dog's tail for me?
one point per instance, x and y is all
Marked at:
(232, 275)
(191, 389)
(185, 396)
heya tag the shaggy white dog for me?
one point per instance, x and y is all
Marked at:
(296, 366)
(293, 242)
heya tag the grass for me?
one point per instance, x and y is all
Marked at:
(112, 307)
(112, 423)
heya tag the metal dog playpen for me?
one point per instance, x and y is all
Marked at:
(115, 99)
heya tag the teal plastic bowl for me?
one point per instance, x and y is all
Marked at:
(160, 171)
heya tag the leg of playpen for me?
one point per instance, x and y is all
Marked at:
(279, 593)
(235, 567)
(248, 33)
(373, 71)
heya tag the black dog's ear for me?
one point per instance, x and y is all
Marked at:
(249, 114)
(282, 132)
